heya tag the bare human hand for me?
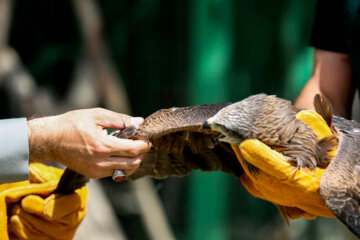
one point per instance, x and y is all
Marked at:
(79, 140)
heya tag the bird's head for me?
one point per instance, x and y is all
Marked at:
(224, 124)
(244, 119)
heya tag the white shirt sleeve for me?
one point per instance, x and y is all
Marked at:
(14, 150)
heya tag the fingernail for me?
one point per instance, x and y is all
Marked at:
(136, 120)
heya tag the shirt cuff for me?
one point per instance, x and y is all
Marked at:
(14, 150)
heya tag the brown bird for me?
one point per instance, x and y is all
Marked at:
(182, 142)
(273, 121)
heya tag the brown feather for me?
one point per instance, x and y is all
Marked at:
(180, 145)
(340, 185)
(324, 108)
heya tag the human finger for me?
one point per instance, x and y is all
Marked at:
(23, 230)
(318, 125)
(131, 165)
(126, 147)
(109, 119)
(119, 162)
(105, 166)
(286, 194)
(276, 165)
(293, 192)
(263, 185)
(61, 208)
(40, 173)
(133, 121)
(49, 228)
(315, 122)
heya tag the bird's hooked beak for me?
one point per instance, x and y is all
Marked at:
(209, 125)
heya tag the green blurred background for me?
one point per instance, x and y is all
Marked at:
(178, 53)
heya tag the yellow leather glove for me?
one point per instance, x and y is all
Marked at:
(28, 210)
(281, 183)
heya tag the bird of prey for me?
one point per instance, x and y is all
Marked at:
(199, 137)
(273, 121)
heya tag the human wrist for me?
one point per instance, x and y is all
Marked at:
(42, 137)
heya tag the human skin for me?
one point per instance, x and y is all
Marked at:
(79, 140)
(332, 77)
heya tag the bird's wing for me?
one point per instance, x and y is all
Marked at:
(180, 145)
(340, 184)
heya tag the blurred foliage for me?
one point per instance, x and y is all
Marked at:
(176, 53)
(45, 35)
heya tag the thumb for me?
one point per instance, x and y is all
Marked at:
(110, 119)
(134, 122)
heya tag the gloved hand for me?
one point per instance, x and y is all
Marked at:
(28, 210)
(280, 182)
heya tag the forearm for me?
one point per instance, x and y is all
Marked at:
(332, 77)
(305, 99)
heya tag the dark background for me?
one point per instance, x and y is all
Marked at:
(178, 53)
